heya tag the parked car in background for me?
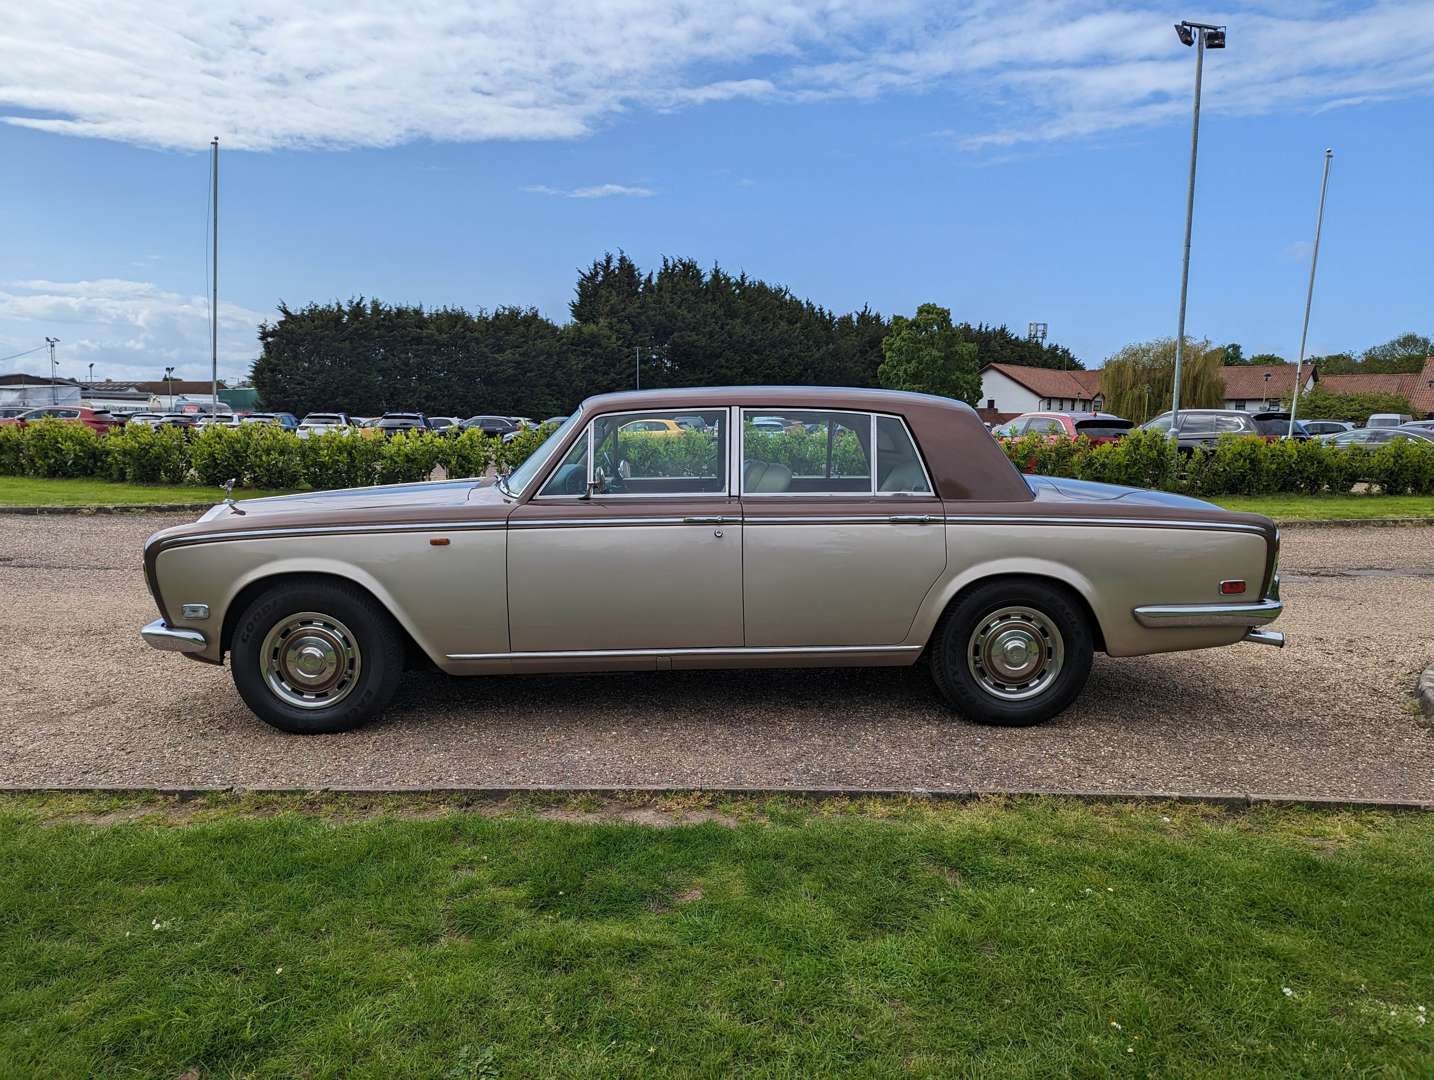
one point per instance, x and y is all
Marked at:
(320, 423)
(556, 420)
(491, 425)
(1378, 436)
(881, 528)
(1204, 427)
(186, 421)
(287, 421)
(1097, 427)
(1422, 425)
(446, 425)
(1317, 428)
(1387, 420)
(391, 423)
(9, 412)
(209, 420)
(97, 420)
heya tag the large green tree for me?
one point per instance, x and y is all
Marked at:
(1138, 381)
(927, 354)
(681, 324)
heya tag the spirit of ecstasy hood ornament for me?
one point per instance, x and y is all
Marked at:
(229, 497)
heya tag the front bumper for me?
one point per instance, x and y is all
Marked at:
(161, 635)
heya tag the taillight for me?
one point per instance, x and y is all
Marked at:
(1232, 588)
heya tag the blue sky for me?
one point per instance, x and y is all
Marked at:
(1014, 162)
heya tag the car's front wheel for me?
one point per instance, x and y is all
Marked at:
(313, 657)
(1013, 652)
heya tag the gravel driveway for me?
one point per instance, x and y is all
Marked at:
(87, 703)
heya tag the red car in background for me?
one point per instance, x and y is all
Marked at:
(101, 421)
(1097, 427)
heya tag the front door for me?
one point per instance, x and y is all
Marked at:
(843, 535)
(633, 546)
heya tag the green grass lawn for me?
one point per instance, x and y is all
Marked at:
(1326, 507)
(285, 937)
(30, 491)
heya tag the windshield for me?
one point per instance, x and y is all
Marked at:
(523, 475)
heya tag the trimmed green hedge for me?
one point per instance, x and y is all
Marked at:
(263, 456)
(255, 455)
(1239, 465)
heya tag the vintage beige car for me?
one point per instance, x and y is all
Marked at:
(733, 527)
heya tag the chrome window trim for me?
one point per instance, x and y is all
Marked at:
(874, 465)
(733, 650)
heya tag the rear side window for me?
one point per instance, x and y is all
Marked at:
(806, 452)
(1044, 425)
(898, 465)
(1197, 424)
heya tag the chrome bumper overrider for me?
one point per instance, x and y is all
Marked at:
(162, 636)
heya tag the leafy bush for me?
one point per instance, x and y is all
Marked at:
(470, 453)
(219, 454)
(145, 455)
(693, 453)
(60, 448)
(805, 452)
(272, 457)
(338, 459)
(1403, 467)
(508, 456)
(410, 456)
(12, 449)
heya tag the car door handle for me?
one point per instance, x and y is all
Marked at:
(910, 519)
(708, 520)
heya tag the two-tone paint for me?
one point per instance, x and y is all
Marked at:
(488, 581)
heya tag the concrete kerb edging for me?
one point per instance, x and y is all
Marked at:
(1231, 800)
(178, 508)
(1424, 691)
(133, 508)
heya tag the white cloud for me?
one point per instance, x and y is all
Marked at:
(595, 191)
(129, 329)
(265, 74)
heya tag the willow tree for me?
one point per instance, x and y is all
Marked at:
(1137, 381)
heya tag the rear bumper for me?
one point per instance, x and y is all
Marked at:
(1169, 615)
(161, 635)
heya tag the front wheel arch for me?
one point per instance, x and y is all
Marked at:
(416, 657)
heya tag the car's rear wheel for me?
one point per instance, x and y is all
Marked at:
(312, 657)
(1013, 652)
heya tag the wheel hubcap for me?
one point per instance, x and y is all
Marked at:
(1015, 653)
(310, 660)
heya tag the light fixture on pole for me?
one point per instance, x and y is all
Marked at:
(169, 375)
(54, 366)
(214, 285)
(92, 374)
(1266, 400)
(1202, 36)
(1309, 292)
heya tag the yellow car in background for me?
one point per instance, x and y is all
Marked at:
(652, 426)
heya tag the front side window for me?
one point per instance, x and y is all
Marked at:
(1160, 423)
(1045, 425)
(651, 454)
(1197, 424)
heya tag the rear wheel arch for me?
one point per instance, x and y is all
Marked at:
(1017, 577)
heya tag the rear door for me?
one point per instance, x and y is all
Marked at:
(843, 535)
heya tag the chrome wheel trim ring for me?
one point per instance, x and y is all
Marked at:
(310, 660)
(1015, 653)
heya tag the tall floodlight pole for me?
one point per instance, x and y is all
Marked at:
(1309, 292)
(637, 364)
(214, 285)
(1200, 35)
(54, 390)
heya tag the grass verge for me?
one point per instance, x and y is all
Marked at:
(323, 936)
(1330, 507)
(34, 491)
